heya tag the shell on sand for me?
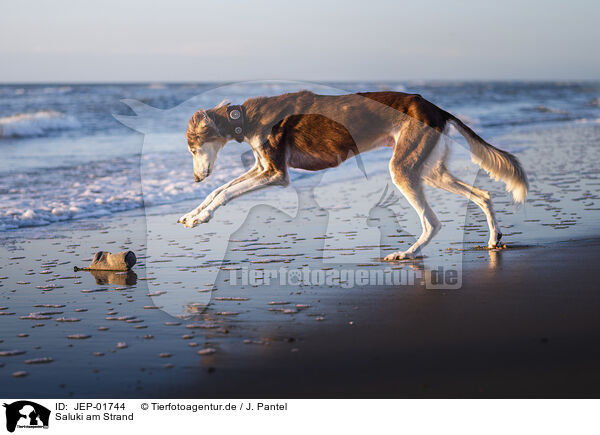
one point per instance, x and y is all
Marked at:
(201, 326)
(44, 360)
(94, 290)
(11, 352)
(33, 316)
(49, 287)
(230, 299)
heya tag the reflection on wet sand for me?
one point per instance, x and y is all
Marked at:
(495, 259)
(106, 277)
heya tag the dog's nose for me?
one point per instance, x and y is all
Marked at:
(197, 179)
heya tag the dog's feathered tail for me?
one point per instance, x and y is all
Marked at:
(501, 165)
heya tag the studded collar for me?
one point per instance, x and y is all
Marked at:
(235, 118)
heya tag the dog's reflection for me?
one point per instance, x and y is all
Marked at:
(106, 277)
(495, 259)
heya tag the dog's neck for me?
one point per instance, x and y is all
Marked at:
(235, 116)
(219, 116)
(227, 125)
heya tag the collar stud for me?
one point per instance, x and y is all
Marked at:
(235, 117)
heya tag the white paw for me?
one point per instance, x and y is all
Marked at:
(400, 256)
(194, 218)
(495, 241)
(203, 217)
(186, 218)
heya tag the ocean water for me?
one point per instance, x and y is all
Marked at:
(66, 154)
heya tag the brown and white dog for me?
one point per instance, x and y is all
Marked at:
(313, 132)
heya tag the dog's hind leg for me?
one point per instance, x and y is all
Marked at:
(441, 178)
(406, 166)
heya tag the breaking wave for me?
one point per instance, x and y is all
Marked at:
(38, 123)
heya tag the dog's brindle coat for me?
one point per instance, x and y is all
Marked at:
(313, 132)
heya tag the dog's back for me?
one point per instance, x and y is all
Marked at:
(321, 131)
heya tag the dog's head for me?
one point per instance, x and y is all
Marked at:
(204, 142)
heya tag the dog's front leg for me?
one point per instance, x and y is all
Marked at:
(260, 181)
(188, 218)
(251, 173)
(192, 214)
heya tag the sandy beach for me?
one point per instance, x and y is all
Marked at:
(197, 316)
(327, 217)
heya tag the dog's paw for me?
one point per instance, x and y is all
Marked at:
(202, 217)
(400, 256)
(494, 242)
(183, 219)
(192, 219)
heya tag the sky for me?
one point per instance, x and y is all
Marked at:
(230, 40)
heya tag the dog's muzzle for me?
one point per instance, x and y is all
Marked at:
(198, 178)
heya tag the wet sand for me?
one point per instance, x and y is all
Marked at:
(523, 324)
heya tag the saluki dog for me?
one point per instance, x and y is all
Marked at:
(313, 132)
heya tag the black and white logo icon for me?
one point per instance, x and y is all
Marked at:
(27, 415)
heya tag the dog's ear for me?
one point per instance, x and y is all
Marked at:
(225, 102)
(204, 124)
(203, 120)
(209, 122)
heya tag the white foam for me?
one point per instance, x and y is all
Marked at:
(36, 124)
(103, 188)
(588, 120)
